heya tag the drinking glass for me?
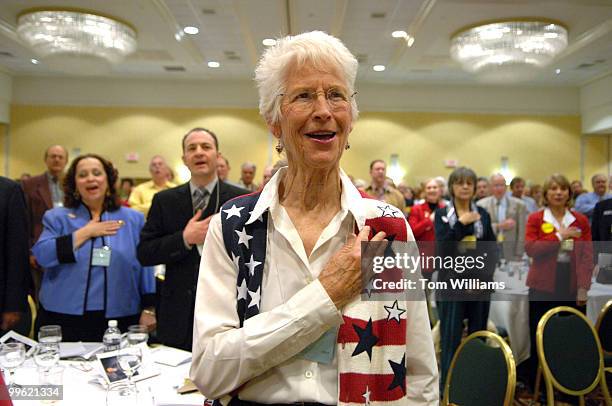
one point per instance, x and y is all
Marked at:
(46, 355)
(130, 359)
(137, 334)
(12, 356)
(50, 334)
(53, 376)
(120, 394)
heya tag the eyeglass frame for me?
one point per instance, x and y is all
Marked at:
(326, 94)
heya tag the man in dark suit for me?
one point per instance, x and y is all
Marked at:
(44, 192)
(175, 231)
(14, 274)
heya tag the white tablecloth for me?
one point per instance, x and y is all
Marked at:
(510, 309)
(78, 390)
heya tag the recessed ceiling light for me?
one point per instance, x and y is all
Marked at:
(213, 64)
(558, 71)
(191, 30)
(409, 41)
(399, 34)
(379, 68)
(269, 42)
(35, 61)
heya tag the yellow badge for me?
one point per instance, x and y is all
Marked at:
(548, 228)
(469, 238)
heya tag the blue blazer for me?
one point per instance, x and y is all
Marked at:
(71, 285)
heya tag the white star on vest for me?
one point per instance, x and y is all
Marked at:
(252, 264)
(243, 237)
(392, 212)
(366, 395)
(233, 211)
(242, 290)
(255, 297)
(394, 312)
(236, 260)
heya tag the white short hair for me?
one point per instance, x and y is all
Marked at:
(248, 165)
(316, 48)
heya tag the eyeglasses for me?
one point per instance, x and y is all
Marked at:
(304, 99)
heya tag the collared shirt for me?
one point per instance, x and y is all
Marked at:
(530, 203)
(502, 206)
(210, 187)
(585, 203)
(262, 357)
(57, 193)
(389, 195)
(252, 187)
(142, 195)
(568, 219)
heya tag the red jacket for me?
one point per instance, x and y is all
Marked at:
(422, 227)
(543, 247)
(423, 230)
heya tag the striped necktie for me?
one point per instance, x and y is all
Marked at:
(200, 199)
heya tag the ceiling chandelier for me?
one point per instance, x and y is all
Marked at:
(514, 44)
(76, 33)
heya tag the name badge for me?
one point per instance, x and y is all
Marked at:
(567, 245)
(101, 256)
(322, 350)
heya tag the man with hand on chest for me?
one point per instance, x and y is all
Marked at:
(175, 231)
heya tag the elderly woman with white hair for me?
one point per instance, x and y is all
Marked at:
(279, 318)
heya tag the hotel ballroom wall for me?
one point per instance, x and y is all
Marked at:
(536, 145)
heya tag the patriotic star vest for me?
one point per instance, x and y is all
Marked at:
(371, 344)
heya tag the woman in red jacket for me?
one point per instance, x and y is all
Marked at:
(558, 240)
(421, 220)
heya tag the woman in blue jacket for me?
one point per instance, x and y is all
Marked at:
(88, 251)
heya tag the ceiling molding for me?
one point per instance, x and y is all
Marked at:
(413, 29)
(246, 34)
(587, 38)
(339, 17)
(174, 27)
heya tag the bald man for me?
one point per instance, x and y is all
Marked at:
(142, 195)
(585, 203)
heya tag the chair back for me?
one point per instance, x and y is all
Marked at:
(482, 372)
(604, 328)
(569, 351)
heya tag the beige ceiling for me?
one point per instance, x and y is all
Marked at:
(231, 32)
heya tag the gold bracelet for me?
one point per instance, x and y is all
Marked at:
(147, 311)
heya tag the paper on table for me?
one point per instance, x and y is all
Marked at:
(79, 349)
(170, 356)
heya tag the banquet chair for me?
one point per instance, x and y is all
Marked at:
(482, 372)
(570, 355)
(604, 331)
